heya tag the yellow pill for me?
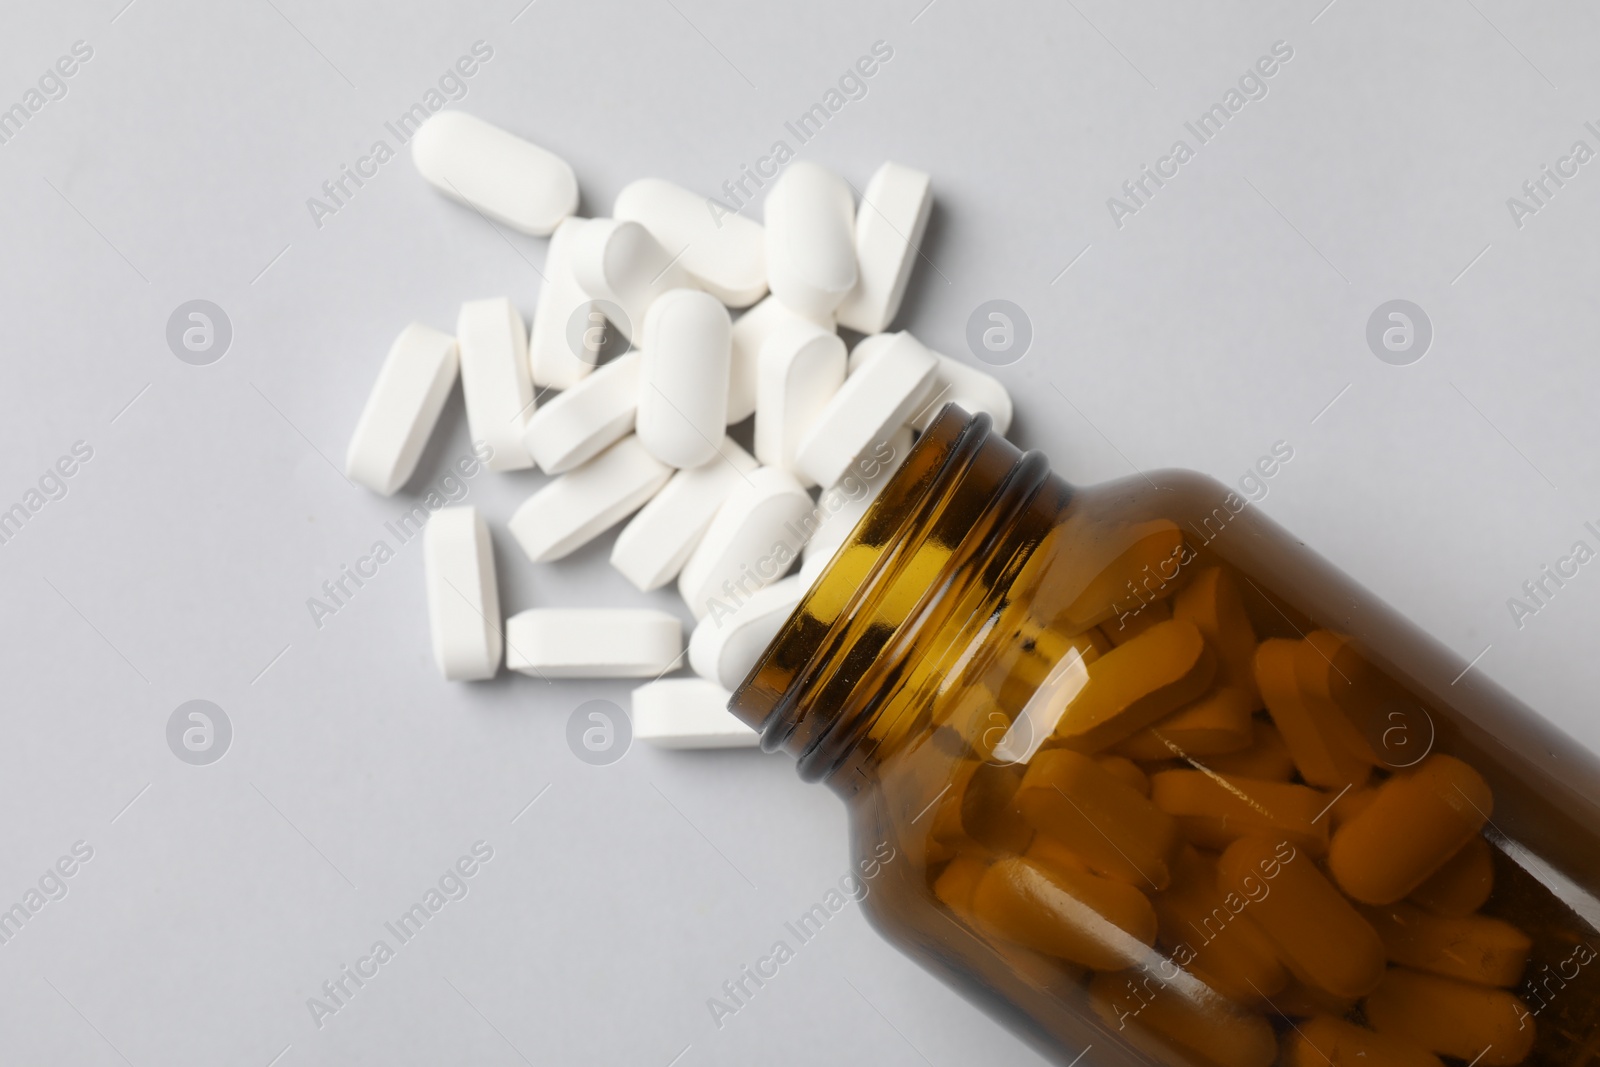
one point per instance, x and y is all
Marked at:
(1109, 825)
(1317, 738)
(1181, 1024)
(1040, 653)
(1413, 826)
(1322, 938)
(1129, 566)
(1329, 1042)
(1323, 673)
(979, 807)
(1462, 885)
(1267, 758)
(1124, 628)
(1131, 687)
(1212, 602)
(1489, 1027)
(1208, 932)
(958, 880)
(1214, 810)
(1075, 915)
(1352, 803)
(1217, 723)
(1052, 855)
(1473, 948)
(1127, 772)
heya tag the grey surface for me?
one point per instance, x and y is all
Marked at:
(1226, 315)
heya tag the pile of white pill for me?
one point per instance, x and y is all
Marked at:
(644, 434)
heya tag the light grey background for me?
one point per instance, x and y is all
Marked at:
(1228, 314)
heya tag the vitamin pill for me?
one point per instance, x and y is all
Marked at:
(558, 356)
(811, 254)
(653, 547)
(1075, 915)
(587, 419)
(801, 367)
(1109, 825)
(980, 806)
(724, 647)
(1178, 1020)
(1473, 948)
(493, 345)
(1462, 885)
(958, 881)
(578, 506)
(1212, 602)
(1125, 771)
(1321, 937)
(866, 410)
(620, 263)
(1318, 738)
(954, 382)
(1125, 628)
(890, 223)
(847, 500)
(463, 599)
(1218, 722)
(1215, 810)
(1329, 1042)
(1130, 687)
(750, 543)
(402, 409)
(1350, 804)
(1211, 934)
(1267, 759)
(1489, 1027)
(688, 713)
(593, 642)
(750, 332)
(1121, 569)
(1418, 820)
(683, 379)
(724, 252)
(506, 178)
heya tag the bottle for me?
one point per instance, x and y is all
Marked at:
(1162, 784)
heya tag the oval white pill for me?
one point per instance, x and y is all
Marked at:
(886, 393)
(724, 252)
(801, 368)
(750, 332)
(558, 356)
(688, 713)
(843, 503)
(811, 252)
(890, 224)
(463, 599)
(508, 179)
(402, 409)
(583, 503)
(593, 642)
(954, 382)
(652, 548)
(723, 650)
(750, 543)
(494, 380)
(621, 263)
(588, 418)
(683, 379)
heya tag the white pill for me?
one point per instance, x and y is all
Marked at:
(582, 422)
(494, 379)
(582, 504)
(750, 543)
(750, 332)
(688, 713)
(593, 642)
(801, 368)
(723, 648)
(652, 548)
(954, 382)
(402, 409)
(508, 179)
(724, 252)
(846, 501)
(621, 263)
(890, 223)
(558, 355)
(683, 379)
(463, 599)
(811, 252)
(886, 393)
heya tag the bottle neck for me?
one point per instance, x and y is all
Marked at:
(920, 571)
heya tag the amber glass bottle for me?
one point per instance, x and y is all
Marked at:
(1162, 782)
